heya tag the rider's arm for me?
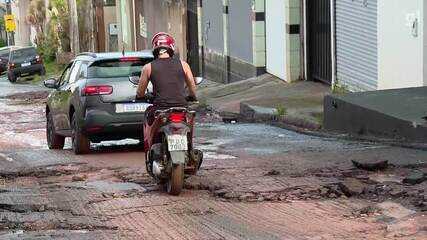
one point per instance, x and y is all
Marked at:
(189, 79)
(143, 81)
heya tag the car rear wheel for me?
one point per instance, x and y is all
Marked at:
(81, 144)
(12, 78)
(54, 141)
(42, 72)
(176, 182)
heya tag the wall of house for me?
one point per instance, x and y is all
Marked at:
(240, 41)
(233, 35)
(213, 28)
(125, 21)
(401, 49)
(240, 30)
(152, 17)
(111, 41)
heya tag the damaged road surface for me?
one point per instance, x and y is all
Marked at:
(257, 182)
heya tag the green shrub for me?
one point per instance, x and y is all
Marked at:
(3, 43)
(281, 110)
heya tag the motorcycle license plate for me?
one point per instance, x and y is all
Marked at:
(131, 107)
(177, 143)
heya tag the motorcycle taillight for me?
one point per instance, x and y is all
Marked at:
(177, 117)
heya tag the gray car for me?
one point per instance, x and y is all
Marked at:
(94, 100)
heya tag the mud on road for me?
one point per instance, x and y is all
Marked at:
(257, 182)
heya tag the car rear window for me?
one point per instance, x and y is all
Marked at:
(23, 54)
(4, 53)
(117, 68)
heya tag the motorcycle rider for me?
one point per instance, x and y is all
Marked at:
(169, 75)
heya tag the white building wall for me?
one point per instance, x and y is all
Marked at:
(401, 44)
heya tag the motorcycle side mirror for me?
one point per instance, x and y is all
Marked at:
(198, 80)
(50, 83)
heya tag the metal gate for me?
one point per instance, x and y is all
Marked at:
(319, 53)
(356, 44)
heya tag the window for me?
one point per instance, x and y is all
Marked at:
(74, 71)
(109, 3)
(117, 68)
(20, 55)
(65, 77)
(4, 54)
(83, 71)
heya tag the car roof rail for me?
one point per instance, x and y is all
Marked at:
(90, 54)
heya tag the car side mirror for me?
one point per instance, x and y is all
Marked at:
(50, 83)
(198, 80)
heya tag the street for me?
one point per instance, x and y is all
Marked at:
(256, 182)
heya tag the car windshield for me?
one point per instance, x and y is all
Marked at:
(23, 54)
(4, 53)
(117, 68)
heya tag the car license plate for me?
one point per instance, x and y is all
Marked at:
(131, 107)
(177, 143)
(26, 64)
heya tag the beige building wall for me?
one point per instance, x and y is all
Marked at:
(158, 15)
(124, 12)
(110, 18)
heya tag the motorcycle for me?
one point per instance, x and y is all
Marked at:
(168, 145)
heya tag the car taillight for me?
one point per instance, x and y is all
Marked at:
(97, 90)
(129, 59)
(11, 65)
(39, 59)
(177, 117)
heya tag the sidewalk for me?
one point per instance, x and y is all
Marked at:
(267, 98)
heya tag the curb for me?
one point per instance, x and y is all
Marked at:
(249, 115)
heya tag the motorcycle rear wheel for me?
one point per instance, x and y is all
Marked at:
(176, 181)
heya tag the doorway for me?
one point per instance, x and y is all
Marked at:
(319, 44)
(193, 37)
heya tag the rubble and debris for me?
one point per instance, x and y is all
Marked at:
(272, 173)
(352, 187)
(370, 164)
(369, 210)
(79, 178)
(414, 177)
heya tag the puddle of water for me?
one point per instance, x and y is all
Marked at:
(395, 210)
(381, 178)
(27, 138)
(111, 187)
(7, 158)
(216, 156)
(116, 143)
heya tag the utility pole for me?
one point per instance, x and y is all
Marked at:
(74, 27)
(10, 35)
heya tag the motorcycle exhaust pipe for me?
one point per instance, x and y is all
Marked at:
(157, 169)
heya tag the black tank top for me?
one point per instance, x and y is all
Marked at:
(168, 79)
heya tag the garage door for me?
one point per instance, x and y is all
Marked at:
(356, 44)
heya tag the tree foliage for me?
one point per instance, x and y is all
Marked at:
(60, 17)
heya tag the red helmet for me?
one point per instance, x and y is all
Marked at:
(163, 40)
